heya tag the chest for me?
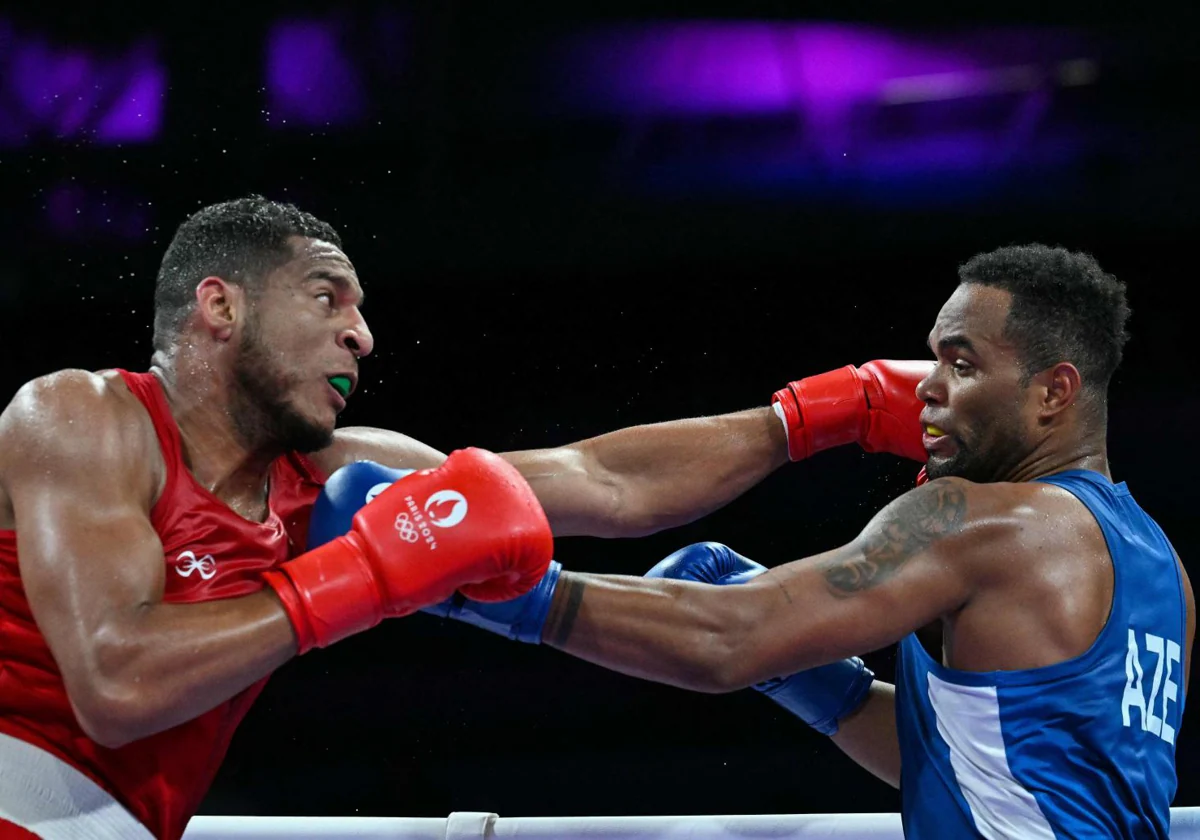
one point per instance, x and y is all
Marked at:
(211, 552)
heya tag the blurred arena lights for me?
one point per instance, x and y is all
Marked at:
(813, 106)
(70, 93)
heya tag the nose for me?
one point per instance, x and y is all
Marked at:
(357, 338)
(931, 390)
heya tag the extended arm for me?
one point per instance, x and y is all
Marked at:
(842, 699)
(644, 479)
(900, 573)
(626, 483)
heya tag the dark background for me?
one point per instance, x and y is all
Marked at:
(542, 268)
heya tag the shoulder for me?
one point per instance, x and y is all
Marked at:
(73, 415)
(66, 396)
(975, 524)
(69, 395)
(959, 504)
(363, 443)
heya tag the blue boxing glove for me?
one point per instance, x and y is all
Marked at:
(356, 484)
(347, 490)
(520, 619)
(819, 696)
(707, 562)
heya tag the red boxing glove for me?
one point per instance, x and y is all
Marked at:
(472, 523)
(875, 405)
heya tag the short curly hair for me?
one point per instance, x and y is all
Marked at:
(240, 241)
(1064, 308)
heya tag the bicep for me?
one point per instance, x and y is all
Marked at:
(391, 449)
(87, 562)
(869, 736)
(87, 551)
(903, 571)
(1190, 628)
(563, 479)
(580, 498)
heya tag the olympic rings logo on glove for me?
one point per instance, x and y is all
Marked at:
(406, 528)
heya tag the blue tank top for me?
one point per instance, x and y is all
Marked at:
(1080, 749)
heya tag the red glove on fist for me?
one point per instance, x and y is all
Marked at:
(875, 405)
(472, 523)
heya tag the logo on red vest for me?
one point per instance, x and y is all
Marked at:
(187, 562)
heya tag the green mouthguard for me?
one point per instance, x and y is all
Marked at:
(342, 384)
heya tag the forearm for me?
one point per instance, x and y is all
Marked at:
(667, 631)
(643, 479)
(169, 663)
(868, 735)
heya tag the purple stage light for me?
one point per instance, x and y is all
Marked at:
(311, 79)
(93, 214)
(844, 106)
(736, 68)
(706, 68)
(73, 93)
(137, 113)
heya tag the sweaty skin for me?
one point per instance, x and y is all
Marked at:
(1015, 573)
(250, 378)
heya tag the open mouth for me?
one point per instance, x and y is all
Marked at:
(342, 385)
(937, 441)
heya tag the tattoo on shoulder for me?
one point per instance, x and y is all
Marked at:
(905, 528)
(561, 620)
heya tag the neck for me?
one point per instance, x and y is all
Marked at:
(1088, 452)
(201, 394)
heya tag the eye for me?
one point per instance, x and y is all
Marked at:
(328, 297)
(963, 366)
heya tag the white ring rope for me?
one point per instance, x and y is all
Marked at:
(470, 825)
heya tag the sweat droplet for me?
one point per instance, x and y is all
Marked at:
(342, 384)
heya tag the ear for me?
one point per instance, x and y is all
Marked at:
(1060, 386)
(219, 305)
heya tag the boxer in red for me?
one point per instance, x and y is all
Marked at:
(160, 518)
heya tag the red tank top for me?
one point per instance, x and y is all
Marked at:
(209, 552)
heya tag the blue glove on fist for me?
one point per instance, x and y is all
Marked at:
(819, 696)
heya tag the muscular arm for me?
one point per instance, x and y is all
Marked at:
(1189, 630)
(868, 734)
(92, 567)
(626, 483)
(911, 564)
(363, 443)
(644, 479)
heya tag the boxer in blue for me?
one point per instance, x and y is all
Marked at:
(1054, 705)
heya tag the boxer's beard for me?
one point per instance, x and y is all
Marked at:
(991, 455)
(262, 413)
